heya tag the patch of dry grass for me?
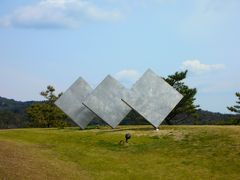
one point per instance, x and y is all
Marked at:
(21, 161)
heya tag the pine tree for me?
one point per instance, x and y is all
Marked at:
(236, 108)
(186, 106)
(47, 114)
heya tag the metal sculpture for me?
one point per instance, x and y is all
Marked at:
(151, 96)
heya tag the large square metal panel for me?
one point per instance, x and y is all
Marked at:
(105, 101)
(71, 103)
(153, 98)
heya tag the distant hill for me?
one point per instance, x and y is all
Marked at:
(208, 118)
(14, 106)
(13, 115)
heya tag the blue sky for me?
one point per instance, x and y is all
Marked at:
(55, 41)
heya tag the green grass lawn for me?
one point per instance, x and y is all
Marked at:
(174, 152)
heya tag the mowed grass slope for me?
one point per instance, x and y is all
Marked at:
(174, 152)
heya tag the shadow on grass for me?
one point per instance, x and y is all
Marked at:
(103, 131)
(107, 129)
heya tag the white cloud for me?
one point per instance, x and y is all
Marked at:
(127, 76)
(196, 66)
(57, 13)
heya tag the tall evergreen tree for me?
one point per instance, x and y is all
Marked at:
(236, 108)
(186, 106)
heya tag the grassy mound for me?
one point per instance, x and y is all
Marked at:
(174, 152)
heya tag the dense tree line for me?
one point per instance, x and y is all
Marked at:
(12, 113)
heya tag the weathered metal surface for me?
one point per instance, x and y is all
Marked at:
(71, 103)
(105, 101)
(153, 98)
